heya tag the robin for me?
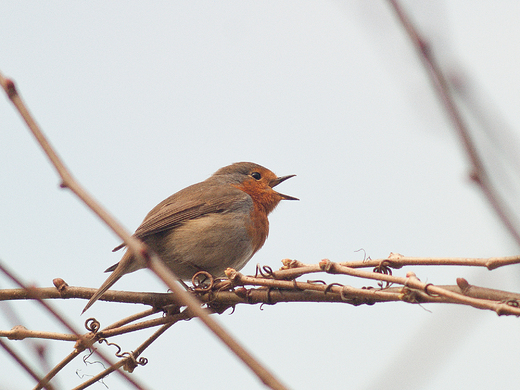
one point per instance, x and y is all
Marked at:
(209, 226)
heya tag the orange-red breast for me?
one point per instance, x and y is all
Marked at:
(210, 226)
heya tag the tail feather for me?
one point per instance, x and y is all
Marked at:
(119, 270)
(112, 268)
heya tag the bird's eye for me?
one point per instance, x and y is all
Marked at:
(256, 176)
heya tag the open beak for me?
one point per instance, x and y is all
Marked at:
(279, 180)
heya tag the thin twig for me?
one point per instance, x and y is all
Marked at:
(479, 173)
(21, 333)
(143, 325)
(282, 283)
(399, 261)
(24, 365)
(83, 341)
(58, 367)
(293, 268)
(129, 362)
(145, 298)
(132, 318)
(39, 349)
(411, 281)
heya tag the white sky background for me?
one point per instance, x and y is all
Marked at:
(142, 99)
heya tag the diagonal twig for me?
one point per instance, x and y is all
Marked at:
(83, 341)
(479, 173)
(138, 249)
(25, 366)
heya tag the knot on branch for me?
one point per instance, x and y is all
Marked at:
(10, 88)
(411, 279)
(502, 310)
(463, 285)
(234, 276)
(288, 264)
(60, 285)
(131, 362)
(411, 296)
(327, 266)
(18, 332)
(86, 341)
(347, 295)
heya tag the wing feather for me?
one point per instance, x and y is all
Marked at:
(191, 203)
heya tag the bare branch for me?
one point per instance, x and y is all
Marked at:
(396, 260)
(411, 281)
(274, 287)
(83, 341)
(282, 288)
(24, 365)
(440, 83)
(52, 373)
(21, 332)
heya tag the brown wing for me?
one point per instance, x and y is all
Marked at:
(190, 203)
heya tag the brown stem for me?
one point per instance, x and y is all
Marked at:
(439, 81)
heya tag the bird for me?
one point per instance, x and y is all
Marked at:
(210, 226)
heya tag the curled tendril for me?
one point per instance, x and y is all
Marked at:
(329, 287)
(384, 284)
(86, 357)
(384, 269)
(316, 281)
(365, 257)
(118, 354)
(429, 293)
(352, 301)
(92, 325)
(142, 361)
(130, 355)
(295, 285)
(265, 272)
(202, 281)
(342, 295)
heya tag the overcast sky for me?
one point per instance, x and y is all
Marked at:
(142, 99)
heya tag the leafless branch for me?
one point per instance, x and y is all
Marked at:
(83, 341)
(24, 365)
(396, 260)
(274, 287)
(441, 85)
(270, 287)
